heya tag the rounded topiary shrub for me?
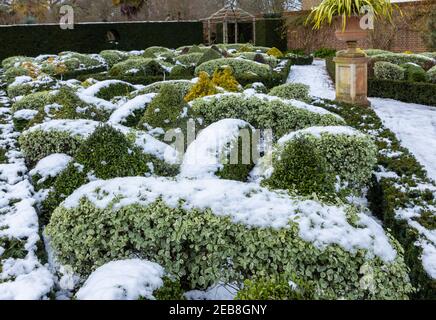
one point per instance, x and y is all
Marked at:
(137, 67)
(25, 85)
(156, 51)
(34, 101)
(182, 72)
(388, 71)
(262, 112)
(310, 160)
(210, 54)
(181, 85)
(301, 167)
(68, 104)
(401, 58)
(106, 153)
(227, 231)
(297, 91)
(202, 88)
(414, 72)
(241, 68)
(109, 89)
(166, 111)
(131, 112)
(112, 57)
(224, 149)
(55, 136)
(189, 58)
(431, 74)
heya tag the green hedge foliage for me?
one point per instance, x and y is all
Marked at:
(413, 73)
(202, 249)
(388, 71)
(413, 92)
(431, 74)
(401, 58)
(137, 67)
(309, 160)
(297, 91)
(280, 116)
(387, 195)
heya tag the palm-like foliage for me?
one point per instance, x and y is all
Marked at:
(328, 9)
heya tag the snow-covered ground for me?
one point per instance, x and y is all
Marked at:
(316, 77)
(413, 124)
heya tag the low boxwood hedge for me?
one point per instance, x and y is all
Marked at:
(392, 193)
(202, 247)
(413, 92)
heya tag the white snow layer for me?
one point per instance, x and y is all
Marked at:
(123, 280)
(205, 155)
(318, 131)
(51, 165)
(414, 125)
(316, 77)
(244, 203)
(127, 109)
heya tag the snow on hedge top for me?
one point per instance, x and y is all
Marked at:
(51, 165)
(100, 103)
(123, 280)
(252, 94)
(319, 131)
(203, 156)
(127, 109)
(245, 203)
(82, 128)
(95, 88)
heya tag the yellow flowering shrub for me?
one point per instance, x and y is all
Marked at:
(224, 78)
(204, 87)
(274, 52)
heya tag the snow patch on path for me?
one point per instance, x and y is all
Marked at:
(316, 77)
(414, 125)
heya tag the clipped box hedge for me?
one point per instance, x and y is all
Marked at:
(412, 92)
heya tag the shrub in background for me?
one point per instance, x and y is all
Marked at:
(297, 91)
(224, 78)
(203, 87)
(432, 75)
(388, 71)
(413, 73)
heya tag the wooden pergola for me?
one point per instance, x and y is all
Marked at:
(231, 13)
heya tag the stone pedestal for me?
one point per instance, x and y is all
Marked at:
(352, 76)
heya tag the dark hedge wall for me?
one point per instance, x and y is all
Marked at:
(32, 40)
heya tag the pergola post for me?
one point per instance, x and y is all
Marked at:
(209, 34)
(254, 31)
(236, 31)
(225, 33)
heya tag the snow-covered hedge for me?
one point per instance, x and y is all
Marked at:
(263, 112)
(189, 58)
(24, 85)
(111, 152)
(182, 85)
(330, 152)
(297, 91)
(206, 231)
(112, 57)
(388, 71)
(432, 75)
(242, 68)
(109, 89)
(131, 112)
(223, 149)
(400, 58)
(137, 66)
(63, 104)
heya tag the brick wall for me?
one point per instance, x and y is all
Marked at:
(403, 35)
